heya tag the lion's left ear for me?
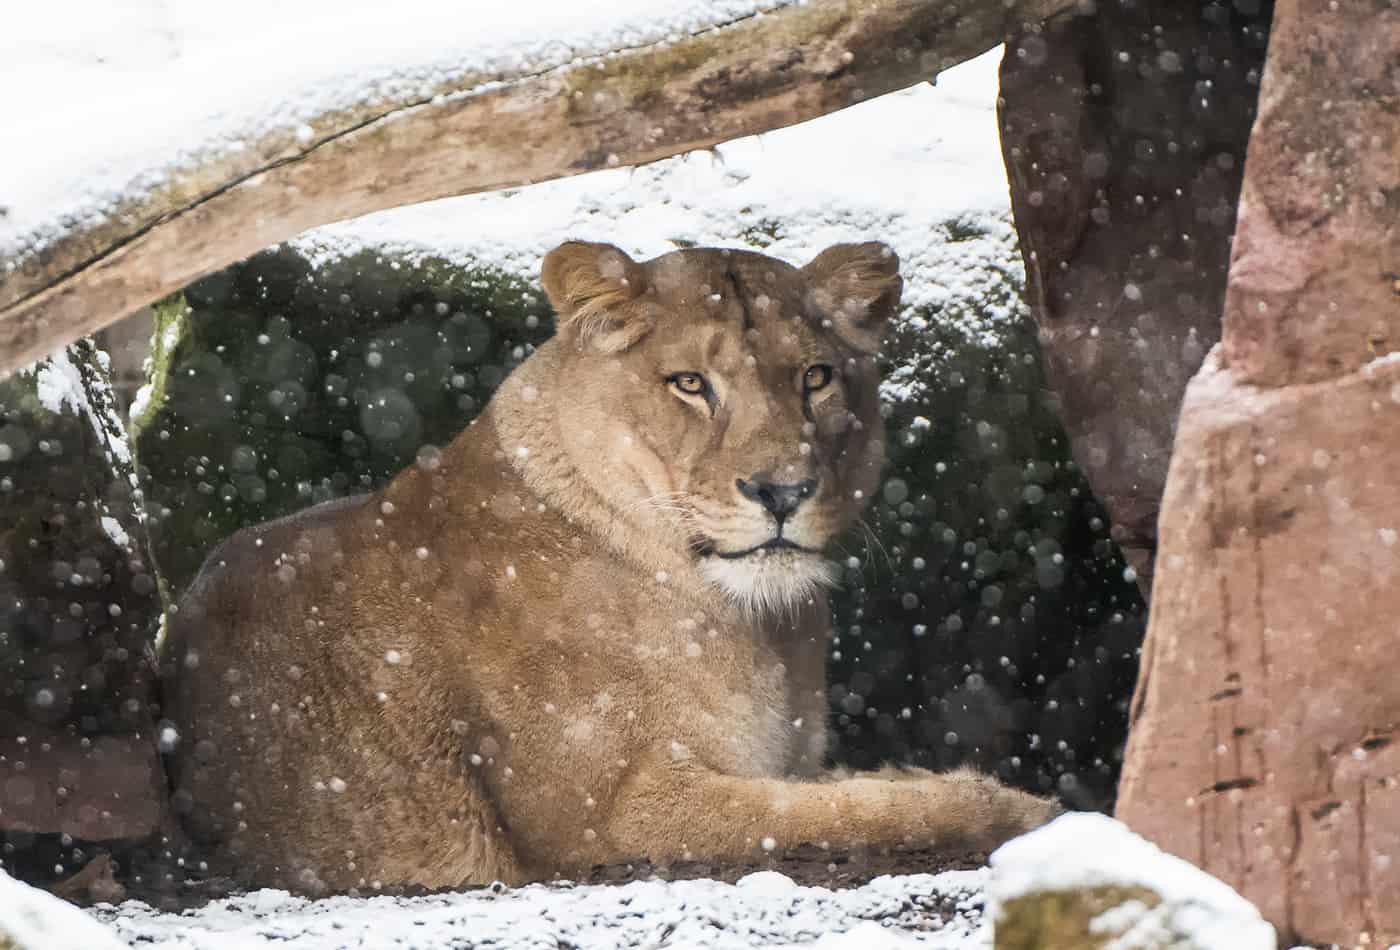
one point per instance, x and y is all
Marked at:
(594, 289)
(857, 288)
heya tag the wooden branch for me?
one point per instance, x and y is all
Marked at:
(630, 107)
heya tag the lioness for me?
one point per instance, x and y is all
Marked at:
(593, 629)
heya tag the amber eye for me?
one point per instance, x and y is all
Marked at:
(816, 377)
(692, 384)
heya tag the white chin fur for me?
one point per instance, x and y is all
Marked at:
(766, 582)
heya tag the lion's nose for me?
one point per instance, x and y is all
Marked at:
(780, 500)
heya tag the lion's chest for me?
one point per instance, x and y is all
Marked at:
(744, 726)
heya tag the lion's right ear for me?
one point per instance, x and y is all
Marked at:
(595, 289)
(856, 288)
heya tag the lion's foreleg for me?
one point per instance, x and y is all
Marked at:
(671, 812)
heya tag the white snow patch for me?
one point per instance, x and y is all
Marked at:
(58, 385)
(863, 936)
(115, 531)
(896, 168)
(761, 911)
(1087, 850)
(767, 884)
(31, 919)
(1380, 363)
(137, 93)
(140, 402)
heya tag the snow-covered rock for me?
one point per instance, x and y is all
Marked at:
(1086, 881)
(31, 919)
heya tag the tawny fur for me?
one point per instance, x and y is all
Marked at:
(526, 658)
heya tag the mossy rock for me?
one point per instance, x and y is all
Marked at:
(1087, 882)
(290, 385)
(1091, 918)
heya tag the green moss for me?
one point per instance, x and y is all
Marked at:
(629, 81)
(168, 325)
(1063, 920)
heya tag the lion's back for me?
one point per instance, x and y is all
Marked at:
(235, 650)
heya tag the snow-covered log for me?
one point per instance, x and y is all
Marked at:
(528, 119)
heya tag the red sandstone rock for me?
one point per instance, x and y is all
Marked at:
(95, 789)
(1264, 744)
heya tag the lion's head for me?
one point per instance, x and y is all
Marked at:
(723, 404)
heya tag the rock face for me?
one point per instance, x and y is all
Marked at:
(78, 606)
(77, 599)
(1124, 135)
(1264, 726)
(1084, 882)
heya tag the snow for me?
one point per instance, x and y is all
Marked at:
(31, 919)
(60, 387)
(138, 92)
(1085, 850)
(898, 168)
(764, 909)
(116, 532)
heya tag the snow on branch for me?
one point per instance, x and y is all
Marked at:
(475, 131)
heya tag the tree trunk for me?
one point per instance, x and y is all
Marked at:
(1264, 725)
(1124, 135)
(635, 106)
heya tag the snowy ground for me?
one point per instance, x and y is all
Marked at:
(1174, 904)
(762, 910)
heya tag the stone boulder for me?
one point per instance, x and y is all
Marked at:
(1124, 128)
(1263, 745)
(1084, 882)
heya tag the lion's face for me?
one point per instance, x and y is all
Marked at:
(725, 403)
